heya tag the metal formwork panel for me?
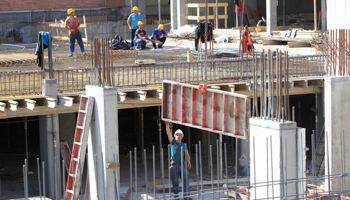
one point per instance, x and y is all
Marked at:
(215, 111)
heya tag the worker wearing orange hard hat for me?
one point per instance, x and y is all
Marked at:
(133, 19)
(72, 25)
(159, 36)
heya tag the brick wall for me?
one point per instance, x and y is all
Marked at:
(15, 5)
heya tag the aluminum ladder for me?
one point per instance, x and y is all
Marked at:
(76, 165)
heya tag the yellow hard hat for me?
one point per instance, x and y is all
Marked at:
(69, 11)
(160, 26)
(139, 23)
(135, 8)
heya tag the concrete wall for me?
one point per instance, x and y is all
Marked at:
(337, 117)
(57, 4)
(283, 157)
(32, 16)
(338, 16)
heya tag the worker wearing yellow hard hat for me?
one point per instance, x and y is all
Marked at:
(133, 19)
(159, 36)
(72, 25)
(141, 37)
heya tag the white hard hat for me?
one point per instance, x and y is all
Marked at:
(178, 131)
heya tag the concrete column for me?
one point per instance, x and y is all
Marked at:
(282, 163)
(271, 15)
(67, 127)
(50, 144)
(337, 119)
(173, 14)
(324, 15)
(103, 142)
(178, 13)
(142, 6)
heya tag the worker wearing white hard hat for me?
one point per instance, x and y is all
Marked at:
(176, 146)
(159, 36)
(72, 25)
(133, 19)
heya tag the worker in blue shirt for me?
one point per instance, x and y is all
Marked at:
(133, 19)
(159, 36)
(175, 169)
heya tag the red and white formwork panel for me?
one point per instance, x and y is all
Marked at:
(216, 111)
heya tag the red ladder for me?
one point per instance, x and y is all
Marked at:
(76, 165)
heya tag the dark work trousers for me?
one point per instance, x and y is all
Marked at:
(133, 31)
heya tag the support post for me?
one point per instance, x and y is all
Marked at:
(103, 143)
(271, 15)
(49, 143)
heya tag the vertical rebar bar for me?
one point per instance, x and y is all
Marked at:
(154, 170)
(145, 164)
(63, 179)
(182, 172)
(272, 181)
(130, 156)
(267, 168)
(218, 165)
(135, 157)
(162, 170)
(44, 182)
(236, 167)
(39, 179)
(254, 166)
(169, 168)
(26, 177)
(211, 169)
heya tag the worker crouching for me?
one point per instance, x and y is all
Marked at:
(159, 36)
(141, 37)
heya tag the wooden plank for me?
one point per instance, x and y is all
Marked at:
(145, 62)
(249, 14)
(298, 44)
(256, 14)
(273, 42)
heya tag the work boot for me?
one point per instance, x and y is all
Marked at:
(70, 55)
(160, 45)
(154, 45)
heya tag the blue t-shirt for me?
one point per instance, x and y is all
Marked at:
(158, 33)
(176, 151)
(135, 19)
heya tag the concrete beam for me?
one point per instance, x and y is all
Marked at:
(30, 104)
(66, 101)
(13, 105)
(2, 107)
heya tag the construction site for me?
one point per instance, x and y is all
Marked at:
(256, 89)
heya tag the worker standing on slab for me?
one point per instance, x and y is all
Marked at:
(133, 21)
(159, 36)
(72, 25)
(141, 37)
(175, 169)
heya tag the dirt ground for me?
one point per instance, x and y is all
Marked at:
(62, 61)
